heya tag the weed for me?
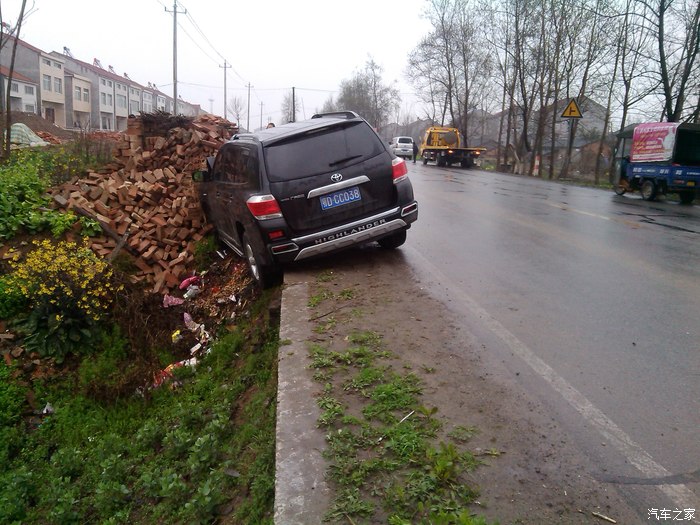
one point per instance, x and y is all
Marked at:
(346, 294)
(399, 394)
(325, 276)
(462, 434)
(349, 503)
(332, 410)
(319, 297)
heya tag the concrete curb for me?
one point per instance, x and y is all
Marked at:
(301, 493)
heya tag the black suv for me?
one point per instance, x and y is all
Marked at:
(304, 189)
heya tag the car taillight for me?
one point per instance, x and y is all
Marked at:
(264, 207)
(399, 171)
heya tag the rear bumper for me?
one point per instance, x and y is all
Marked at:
(350, 234)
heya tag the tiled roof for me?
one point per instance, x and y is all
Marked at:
(5, 72)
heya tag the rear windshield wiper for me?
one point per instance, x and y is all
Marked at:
(344, 160)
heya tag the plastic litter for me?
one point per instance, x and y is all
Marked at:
(192, 291)
(194, 280)
(176, 336)
(48, 409)
(169, 300)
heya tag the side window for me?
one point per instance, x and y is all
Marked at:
(222, 164)
(237, 164)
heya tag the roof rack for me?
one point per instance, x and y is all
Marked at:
(337, 114)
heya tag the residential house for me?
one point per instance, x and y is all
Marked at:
(23, 92)
(78, 105)
(53, 96)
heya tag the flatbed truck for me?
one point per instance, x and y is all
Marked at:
(443, 145)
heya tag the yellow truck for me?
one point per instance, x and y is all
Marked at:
(443, 146)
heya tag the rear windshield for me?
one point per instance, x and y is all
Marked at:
(405, 140)
(321, 151)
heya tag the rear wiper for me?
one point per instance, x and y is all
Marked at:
(344, 160)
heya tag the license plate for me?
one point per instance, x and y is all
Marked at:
(338, 198)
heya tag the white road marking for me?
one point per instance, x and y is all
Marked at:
(680, 494)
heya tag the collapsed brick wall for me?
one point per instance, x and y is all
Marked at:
(147, 202)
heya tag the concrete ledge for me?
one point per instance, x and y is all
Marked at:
(301, 493)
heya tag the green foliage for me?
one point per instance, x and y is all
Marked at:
(11, 398)
(205, 251)
(12, 302)
(24, 179)
(172, 456)
(69, 290)
(107, 374)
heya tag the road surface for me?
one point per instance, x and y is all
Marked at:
(588, 301)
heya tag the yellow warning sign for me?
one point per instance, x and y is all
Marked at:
(572, 110)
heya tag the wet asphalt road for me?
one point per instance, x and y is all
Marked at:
(588, 301)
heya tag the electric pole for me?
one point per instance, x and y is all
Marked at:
(294, 106)
(247, 126)
(261, 106)
(225, 66)
(175, 12)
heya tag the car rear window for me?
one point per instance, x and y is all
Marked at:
(405, 140)
(320, 151)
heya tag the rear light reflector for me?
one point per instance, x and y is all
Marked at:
(284, 248)
(264, 207)
(399, 171)
(275, 234)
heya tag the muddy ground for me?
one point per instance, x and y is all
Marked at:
(539, 477)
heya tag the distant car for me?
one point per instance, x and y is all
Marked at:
(402, 147)
(305, 189)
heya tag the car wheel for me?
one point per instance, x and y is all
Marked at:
(620, 189)
(687, 197)
(425, 161)
(393, 241)
(265, 276)
(648, 190)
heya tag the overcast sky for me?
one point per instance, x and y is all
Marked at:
(271, 44)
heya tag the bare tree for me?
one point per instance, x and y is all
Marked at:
(6, 140)
(236, 107)
(367, 94)
(289, 112)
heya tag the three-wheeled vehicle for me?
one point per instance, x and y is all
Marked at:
(659, 158)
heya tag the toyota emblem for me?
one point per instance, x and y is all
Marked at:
(336, 177)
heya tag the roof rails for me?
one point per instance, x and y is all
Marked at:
(337, 114)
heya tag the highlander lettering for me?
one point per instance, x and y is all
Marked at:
(345, 233)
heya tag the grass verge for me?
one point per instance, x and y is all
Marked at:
(389, 460)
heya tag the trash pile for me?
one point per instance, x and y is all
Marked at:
(148, 203)
(217, 298)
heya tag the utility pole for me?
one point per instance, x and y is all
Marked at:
(247, 126)
(261, 106)
(225, 66)
(175, 12)
(294, 106)
(211, 105)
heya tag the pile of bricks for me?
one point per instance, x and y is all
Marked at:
(149, 204)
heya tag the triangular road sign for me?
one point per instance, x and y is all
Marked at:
(572, 110)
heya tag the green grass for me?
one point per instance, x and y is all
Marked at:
(387, 462)
(171, 456)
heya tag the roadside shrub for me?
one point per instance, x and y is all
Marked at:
(69, 290)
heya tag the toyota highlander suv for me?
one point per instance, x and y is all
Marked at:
(305, 189)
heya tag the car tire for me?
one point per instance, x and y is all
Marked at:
(393, 241)
(265, 276)
(648, 190)
(620, 190)
(425, 161)
(687, 197)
